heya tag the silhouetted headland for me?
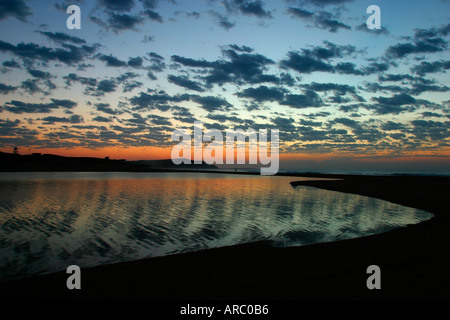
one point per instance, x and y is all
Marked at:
(50, 162)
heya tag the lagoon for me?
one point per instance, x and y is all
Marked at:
(51, 220)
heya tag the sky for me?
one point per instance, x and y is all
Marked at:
(342, 95)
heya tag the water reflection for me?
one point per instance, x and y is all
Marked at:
(51, 220)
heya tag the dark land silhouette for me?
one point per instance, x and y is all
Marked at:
(13, 162)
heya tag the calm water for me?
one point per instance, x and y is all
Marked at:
(49, 221)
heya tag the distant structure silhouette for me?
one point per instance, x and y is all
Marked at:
(16, 150)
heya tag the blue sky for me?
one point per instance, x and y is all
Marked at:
(137, 70)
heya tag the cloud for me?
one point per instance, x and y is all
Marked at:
(117, 5)
(299, 101)
(105, 107)
(183, 81)
(106, 86)
(394, 104)
(300, 13)
(72, 119)
(262, 93)
(11, 64)
(235, 67)
(39, 74)
(316, 59)
(423, 41)
(102, 119)
(112, 61)
(322, 3)
(247, 7)
(5, 89)
(396, 100)
(211, 103)
(148, 101)
(135, 62)
(381, 31)
(118, 22)
(322, 20)
(153, 15)
(303, 63)
(72, 77)
(14, 8)
(221, 20)
(20, 107)
(60, 37)
(426, 67)
(31, 51)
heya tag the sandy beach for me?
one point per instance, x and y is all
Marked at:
(414, 261)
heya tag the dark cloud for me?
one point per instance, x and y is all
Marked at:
(381, 31)
(235, 47)
(394, 77)
(316, 59)
(299, 101)
(14, 8)
(396, 100)
(262, 93)
(149, 4)
(31, 51)
(340, 88)
(39, 74)
(117, 5)
(304, 63)
(423, 41)
(135, 62)
(211, 103)
(322, 20)
(72, 77)
(247, 7)
(236, 67)
(106, 108)
(112, 61)
(106, 86)
(183, 81)
(221, 20)
(72, 119)
(118, 22)
(60, 37)
(11, 64)
(5, 89)
(430, 130)
(396, 104)
(159, 120)
(20, 107)
(431, 67)
(31, 86)
(156, 56)
(348, 68)
(322, 3)
(375, 67)
(102, 119)
(188, 62)
(153, 15)
(148, 101)
(393, 126)
(299, 13)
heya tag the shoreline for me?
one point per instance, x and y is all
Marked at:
(414, 260)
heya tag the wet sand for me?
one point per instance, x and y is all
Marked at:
(414, 261)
